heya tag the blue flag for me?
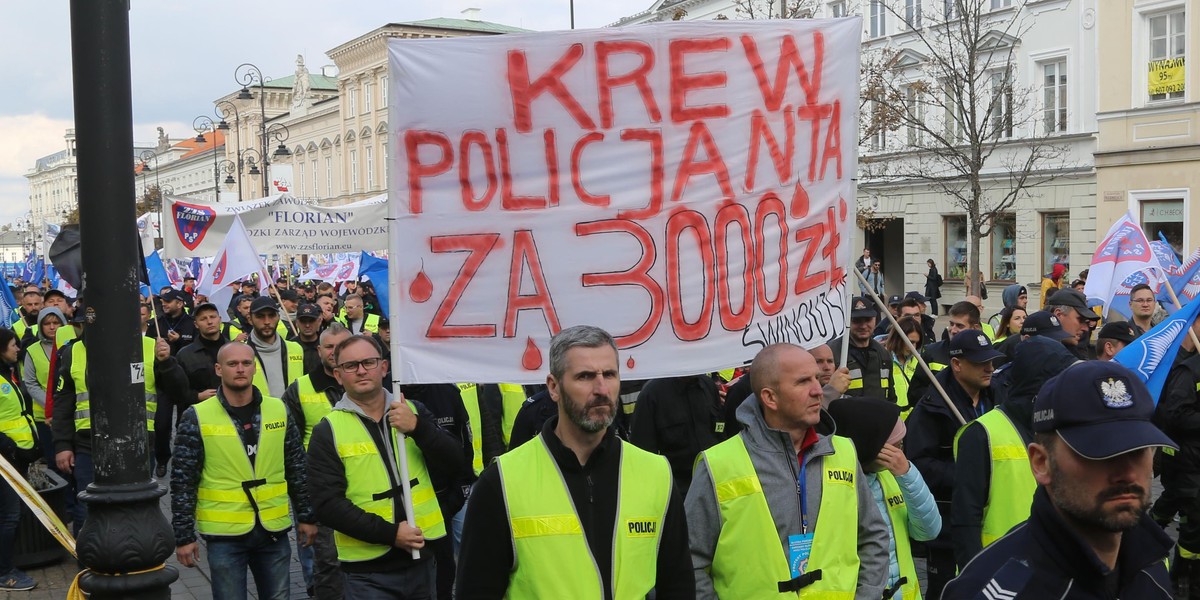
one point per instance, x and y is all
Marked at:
(376, 269)
(8, 306)
(1158, 347)
(34, 268)
(157, 273)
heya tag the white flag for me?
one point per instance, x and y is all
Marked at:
(236, 260)
(1123, 252)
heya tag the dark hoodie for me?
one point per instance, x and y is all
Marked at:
(1037, 360)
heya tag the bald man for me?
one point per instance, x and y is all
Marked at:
(834, 383)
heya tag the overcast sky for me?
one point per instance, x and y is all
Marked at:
(184, 53)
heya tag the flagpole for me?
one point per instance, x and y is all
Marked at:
(286, 316)
(846, 301)
(1178, 306)
(397, 362)
(883, 308)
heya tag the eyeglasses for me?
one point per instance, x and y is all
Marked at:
(353, 365)
(1143, 300)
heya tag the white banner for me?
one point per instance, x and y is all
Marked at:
(686, 186)
(345, 268)
(276, 224)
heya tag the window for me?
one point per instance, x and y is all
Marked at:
(351, 101)
(370, 168)
(956, 246)
(314, 176)
(1165, 73)
(1004, 248)
(1000, 114)
(912, 14)
(914, 110)
(328, 176)
(1054, 97)
(301, 177)
(998, 4)
(366, 96)
(878, 125)
(1056, 240)
(354, 170)
(1165, 218)
(383, 90)
(878, 20)
(837, 9)
(951, 10)
(953, 116)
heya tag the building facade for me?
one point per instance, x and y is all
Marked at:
(185, 168)
(1148, 148)
(1049, 50)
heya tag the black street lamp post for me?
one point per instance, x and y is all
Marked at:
(224, 107)
(125, 540)
(247, 74)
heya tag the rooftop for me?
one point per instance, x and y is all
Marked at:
(465, 25)
(12, 237)
(316, 81)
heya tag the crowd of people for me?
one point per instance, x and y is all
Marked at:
(1017, 464)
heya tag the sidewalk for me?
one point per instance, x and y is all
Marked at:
(193, 584)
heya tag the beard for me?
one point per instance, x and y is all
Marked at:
(577, 412)
(1091, 512)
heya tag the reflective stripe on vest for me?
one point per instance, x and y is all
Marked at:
(897, 511)
(367, 479)
(513, 396)
(83, 406)
(14, 421)
(856, 379)
(1011, 486)
(902, 375)
(370, 322)
(315, 405)
(41, 369)
(470, 398)
(295, 367)
(228, 482)
(744, 566)
(552, 558)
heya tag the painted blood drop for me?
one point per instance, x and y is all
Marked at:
(421, 288)
(531, 360)
(629, 363)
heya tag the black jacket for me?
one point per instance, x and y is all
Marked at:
(1178, 414)
(872, 365)
(485, 559)
(188, 465)
(933, 284)
(929, 442)
(169, 379)
(198, 360)
(937, 356)
(446, 404)
(1044, 558)
(537, 409)
(679, 417)
(183, 325)
(327, 482)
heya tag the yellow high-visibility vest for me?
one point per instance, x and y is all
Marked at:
(83, 406)
(1011, 486)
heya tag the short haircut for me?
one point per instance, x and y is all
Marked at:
(350, 297)
(244, 298)
(965, 309)
(356, 339)
(29, 293)
(335, 328)
(579, 336)
(204, 308)
(910, 303)
(324, 287)
(1139, 287)
(764, 369)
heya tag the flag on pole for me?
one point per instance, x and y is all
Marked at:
(1158, 347)
(34, 269)
(157, 272)
(1122, 253)
(8, 306)
(236, 259)
(376, 269)
(1186, 283)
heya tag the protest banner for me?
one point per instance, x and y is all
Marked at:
(686, 186)
(276, 225)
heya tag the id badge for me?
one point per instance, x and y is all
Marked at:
(799, 549)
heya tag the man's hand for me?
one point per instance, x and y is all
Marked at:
(188, 555)
(172, 336)
(409, 537)
(65, 461)
(401, 416)
(306, 533)
(162, 350)
(242, 337)
(206, 394)
(840, 380)
(893, 459)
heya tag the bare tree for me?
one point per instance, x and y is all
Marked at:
(774, 9)
(947, 112)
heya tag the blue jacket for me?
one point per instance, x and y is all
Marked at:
(924, 520)
(1044, 558)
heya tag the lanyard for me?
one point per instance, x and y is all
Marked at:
(802, 490)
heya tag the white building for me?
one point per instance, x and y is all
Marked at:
(1052, 65)
(12, 246)
(186, 168)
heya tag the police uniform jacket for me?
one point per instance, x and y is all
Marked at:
(1045, 558)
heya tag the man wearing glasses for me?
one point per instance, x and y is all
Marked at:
(353, 464)
(1142, 304)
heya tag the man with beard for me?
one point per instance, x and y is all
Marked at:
(622, 525)
(870, 364)
(1088, 534)
(31, 305)
(1071, 309)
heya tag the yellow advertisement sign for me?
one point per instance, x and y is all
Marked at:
(1166, 76)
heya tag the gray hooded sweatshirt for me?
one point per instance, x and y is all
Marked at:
(29, 377)
(775, 463)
